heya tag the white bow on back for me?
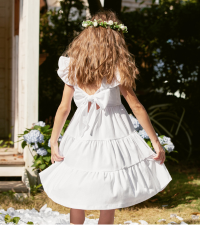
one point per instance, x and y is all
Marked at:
(82, 100)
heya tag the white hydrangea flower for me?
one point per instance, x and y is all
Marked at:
(110, 22)
(95, 24)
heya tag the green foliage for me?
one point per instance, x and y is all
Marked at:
(9, 193)
(42, 162)
(168, 33)
(6, 144)
(35, 189)
(57, 30)
(14, 220)
(150, 30)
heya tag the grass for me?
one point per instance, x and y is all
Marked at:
(182, 196)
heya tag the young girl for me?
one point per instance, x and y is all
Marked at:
(101, 163)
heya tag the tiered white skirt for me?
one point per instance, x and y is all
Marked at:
(104, 174)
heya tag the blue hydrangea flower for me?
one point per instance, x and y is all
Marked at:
(166, 140)
(49, 144)
(169, 147)
(59, 140)
(41, 138)
(143, 134)
(34, 136)
(136, 123)
(42, 151)
(27, 138)
(161, 140)
(40, 123)
(35, 146)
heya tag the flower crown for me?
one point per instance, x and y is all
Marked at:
(110, 23)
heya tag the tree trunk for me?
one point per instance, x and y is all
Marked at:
(94, 6)
(114, 6)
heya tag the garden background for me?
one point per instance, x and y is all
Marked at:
(165, 39)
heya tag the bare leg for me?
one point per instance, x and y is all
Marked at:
(77, 216)
(106, 216)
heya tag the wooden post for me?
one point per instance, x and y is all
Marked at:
(28, 72)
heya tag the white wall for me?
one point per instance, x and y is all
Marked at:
(28, 66)
(28, 73)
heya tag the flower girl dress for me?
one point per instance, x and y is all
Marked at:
(107, 164)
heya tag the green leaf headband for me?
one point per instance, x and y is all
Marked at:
(110, 23)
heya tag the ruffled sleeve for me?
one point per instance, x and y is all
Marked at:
(63, 69)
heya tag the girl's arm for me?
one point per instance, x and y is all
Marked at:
(60, 118)
(143, 118)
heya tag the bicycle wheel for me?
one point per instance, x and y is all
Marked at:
(166, 124)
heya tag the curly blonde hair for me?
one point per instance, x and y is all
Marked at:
(96, 53)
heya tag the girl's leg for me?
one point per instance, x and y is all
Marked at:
(77, 216)
(106, 216)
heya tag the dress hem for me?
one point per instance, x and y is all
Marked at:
(113, 206)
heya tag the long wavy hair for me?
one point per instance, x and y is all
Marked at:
(96, 53)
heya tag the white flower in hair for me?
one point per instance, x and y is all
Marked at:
(95, 24)
(110, 22)
(122, 27)
(85, 24)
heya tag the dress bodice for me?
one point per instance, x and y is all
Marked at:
(103, 97)
(108, 95)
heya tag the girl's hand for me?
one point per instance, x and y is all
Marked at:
(54, 154)
(160, 152)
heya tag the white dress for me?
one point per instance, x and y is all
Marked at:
(107, 165)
